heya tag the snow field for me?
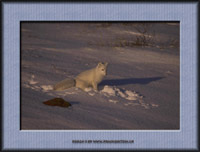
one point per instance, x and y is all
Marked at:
(111, 94)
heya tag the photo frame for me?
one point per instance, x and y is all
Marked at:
(15, 139)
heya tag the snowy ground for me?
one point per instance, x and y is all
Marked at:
(141, 90)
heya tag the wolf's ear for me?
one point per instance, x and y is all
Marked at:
(99, 64)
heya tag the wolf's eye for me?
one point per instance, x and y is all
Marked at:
(102, 69)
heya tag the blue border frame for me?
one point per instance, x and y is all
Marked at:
(186, 13)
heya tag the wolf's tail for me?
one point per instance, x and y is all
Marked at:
(64, 84)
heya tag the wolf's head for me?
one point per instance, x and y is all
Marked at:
(102, 68)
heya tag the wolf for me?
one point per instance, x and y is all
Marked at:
(88, 78)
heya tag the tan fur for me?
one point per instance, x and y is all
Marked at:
(92, 77)
(88, 78)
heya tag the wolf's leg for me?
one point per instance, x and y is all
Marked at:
(94, 85)
(81, 84)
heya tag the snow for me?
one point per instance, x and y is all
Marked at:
(140, 91)
(47, 87)
(32, 81)
(114, 101)
(108, 90)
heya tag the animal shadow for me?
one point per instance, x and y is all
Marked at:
(74, 102)
(118, 82)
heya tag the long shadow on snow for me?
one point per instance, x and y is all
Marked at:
(118, 82)
(74, 102)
